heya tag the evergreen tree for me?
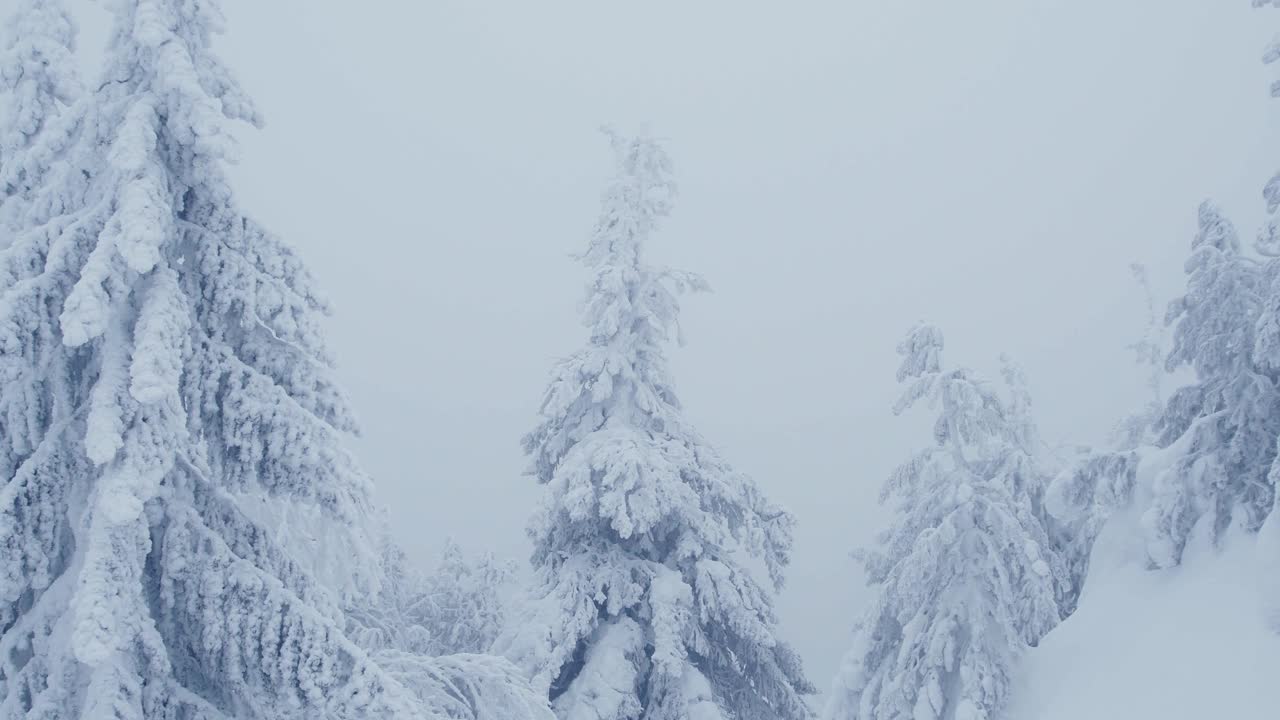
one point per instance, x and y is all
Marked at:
(1220, 431)
(967, 573)
(459, 608)
(1225, 424)
(429, 633)
(38, 81)
(643, 607)
(1268, 354)
(463, 601)
(175, 492)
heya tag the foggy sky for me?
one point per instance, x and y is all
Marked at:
(846, 169)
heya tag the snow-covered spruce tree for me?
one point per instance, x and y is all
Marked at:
(1267, 352)
(37, 82)
(405, 628)
(967, 573)
(464, 601)
(1042, 464)
(643, 606)
(164, 391)
(458, 608)
(1226, 422)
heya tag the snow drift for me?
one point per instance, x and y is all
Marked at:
(1186, 643)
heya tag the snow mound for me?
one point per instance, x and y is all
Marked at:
(1188, 643)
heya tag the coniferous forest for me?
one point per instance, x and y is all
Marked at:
(189, 531)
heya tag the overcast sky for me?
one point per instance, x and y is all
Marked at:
(846, 169)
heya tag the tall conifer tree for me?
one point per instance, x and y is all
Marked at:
(968, 575)
(166, 398)
(644, 607)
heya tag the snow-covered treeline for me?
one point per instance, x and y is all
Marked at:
(991, 543)
(184, 534)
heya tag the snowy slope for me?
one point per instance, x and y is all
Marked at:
(1189, 643)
